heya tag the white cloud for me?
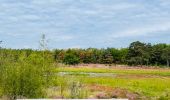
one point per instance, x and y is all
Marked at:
(92, 20)
(165, 2)
(45, 2)
(65, 38)
(60, 37)
(145, 30)
(76, 47)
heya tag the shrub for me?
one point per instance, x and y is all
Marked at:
(25, 78)
(71, 59)
(22, 80)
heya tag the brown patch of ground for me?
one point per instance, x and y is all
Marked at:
(100, 88)
(123, 93)
(105, 92)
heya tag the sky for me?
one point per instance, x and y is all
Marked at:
(83, 23)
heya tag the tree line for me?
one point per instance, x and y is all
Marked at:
(137, 53)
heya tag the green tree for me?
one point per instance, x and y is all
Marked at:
(122, 55)
(107, 57)
(156, 54)
(71, 59)
(138, 53)
(166, 55)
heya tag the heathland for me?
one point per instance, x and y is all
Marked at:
(140, 71)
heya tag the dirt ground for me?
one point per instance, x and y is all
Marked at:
(113, 66)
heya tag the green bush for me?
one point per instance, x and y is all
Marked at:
(24, 80)
(71, 59)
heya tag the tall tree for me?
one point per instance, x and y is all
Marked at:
(135, 53)
(166, 55)
(107, 57)
(156, 54)
(71, 59)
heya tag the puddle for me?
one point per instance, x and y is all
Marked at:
(88, 74)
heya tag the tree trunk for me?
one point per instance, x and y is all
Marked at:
(167, 62)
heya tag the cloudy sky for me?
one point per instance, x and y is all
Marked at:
(83, 23)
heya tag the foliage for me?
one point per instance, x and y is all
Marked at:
(22, 79)
(25, 73)
(166, 55)
(71, 59)
(137, 53)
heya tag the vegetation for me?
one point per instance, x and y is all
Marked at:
(24, 73)
(137, 53)
(148, 84)
(22, 80)
(28, 73)
(71, 59)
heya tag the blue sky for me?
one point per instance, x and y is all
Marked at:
(83, 23)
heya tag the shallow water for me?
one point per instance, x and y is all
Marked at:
(88, 74)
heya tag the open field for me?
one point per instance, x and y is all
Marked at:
(85, 49)
(117, 70)
(114, 82)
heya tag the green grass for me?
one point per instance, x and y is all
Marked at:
(158, 72)
(145, 86)
(148, 87)
(156, 86)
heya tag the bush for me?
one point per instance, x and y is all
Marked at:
(71, 59)
(24, 80)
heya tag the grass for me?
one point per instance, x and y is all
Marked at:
(147, 87)
(159, 72)
(148, 83)
(150, 87)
